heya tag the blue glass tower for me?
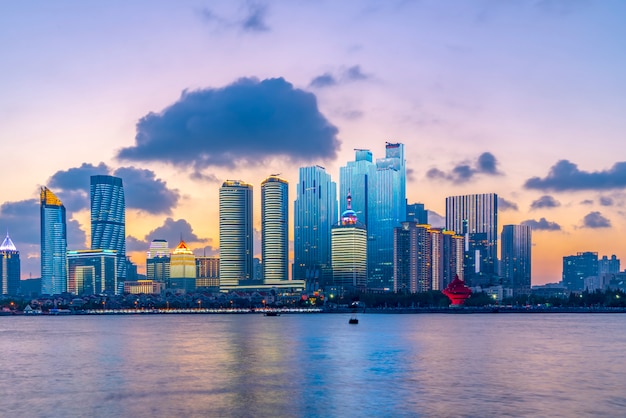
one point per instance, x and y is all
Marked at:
(516, 257)
(53, 244)
(108, 218)
(315, 211)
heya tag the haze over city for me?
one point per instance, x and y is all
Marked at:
(524, 99)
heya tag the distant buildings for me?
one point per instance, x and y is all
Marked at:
(315, 211)
(578, 267)
(516, 258)
(349, 251)
(92, 272)
(53, 244)
(108, 218)
(236, 245)
(158, 261)
(207, 271)
(9, 268)
(275, 228)
(608, 265)
(415, 212)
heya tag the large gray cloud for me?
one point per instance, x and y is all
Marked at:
(596, 220)
(545, 202)
(505, 205)
(486, 163)
(565, 175)
(246, 122)
(142, 190)
(542, 225)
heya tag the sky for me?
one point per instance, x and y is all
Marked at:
(523, 98)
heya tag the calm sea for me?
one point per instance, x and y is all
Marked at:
(314, 365)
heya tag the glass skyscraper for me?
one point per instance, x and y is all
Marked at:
(92, 272)
(476, 218)
(315, 211)
(53, 244)
(274, 228)
(236, 243)
(515, 258)
(9, 268)
(108, 218)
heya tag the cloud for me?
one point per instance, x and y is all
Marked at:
(200, 176)
(143, 191)
(348, 75)
(486, 163)
(253, 18)
(410, 174)
(542, 225)
(596, 220)
(587, 202)
(436, 220)
(565, 175)
(171, 231)
(244, 123)
(505, 205)
(606, 201)
(545, 202)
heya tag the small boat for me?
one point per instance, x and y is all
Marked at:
(353, 321)
(272, 313)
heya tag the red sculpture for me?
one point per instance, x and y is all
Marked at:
(457, 292)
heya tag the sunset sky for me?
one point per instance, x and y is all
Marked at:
(523, 98)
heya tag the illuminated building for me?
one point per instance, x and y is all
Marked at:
(476, 218)
(146, 287)
(92, 272)
(349, 251)
(274, 228)
(516, 258)
(236, 245)
(9, 268)
(182, 268)
(158, 261)
(315, 211)
(53, 244)
(108, 218)
(207, 271)
(576, 268)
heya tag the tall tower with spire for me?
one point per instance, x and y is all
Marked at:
(53, 243)
(9, 268)
(349, 251)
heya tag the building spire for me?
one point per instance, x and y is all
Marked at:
(7, 244)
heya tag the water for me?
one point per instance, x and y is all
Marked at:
(315, 365)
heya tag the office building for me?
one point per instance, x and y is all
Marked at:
(415, 212)
(9, 268)
(608, 265)
(207, 271)
(476, 218)
(236, 245)
(576, 268)
(315, 211)
(108, 218)
(92, 272)
(182, 269)
(515, 258)
(158, 261)
(53, 244)
(349, 251)
(275, 228)
(412, 258)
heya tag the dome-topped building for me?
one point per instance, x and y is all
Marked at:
(349, 250)
(9, 267)
(348, 217)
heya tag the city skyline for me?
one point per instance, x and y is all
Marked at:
(522, 99)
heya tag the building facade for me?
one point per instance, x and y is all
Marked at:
(207, 271)
(236, 245)
(9, 268)
(608, 265)
(158, 261)
(92, 272)
(53, 243)
(515, 258)
(349, 251)
(108, 218)
(275, 228)
(576, 268)
(315, 211)
(182, 268)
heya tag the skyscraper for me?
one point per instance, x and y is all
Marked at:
(207, 271)
(516, 258)
(274, 228)
(108, 218)
(415, 212)
(182, 268)
(9, 268)
(476, 217)
(315, 211)
(92, 272)
(236, 243)
(53, 244)
(349, 251)
(576, 268)
(412, 258)
(158, 261)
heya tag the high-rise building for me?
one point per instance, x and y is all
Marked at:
(108, 218)
(576, 268)
(207, 271)
(476, 217)
(349, 251)
(415, 212)
(9, 268)
(379, 198)
(315, 211)
(158, 261)
(53, 244)
(182, 268)
(236, 245)
(516, 258)
(92, 272)
(412, 258)
(608, 265)
(274, 228)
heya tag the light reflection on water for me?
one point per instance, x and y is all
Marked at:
(314, 365)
